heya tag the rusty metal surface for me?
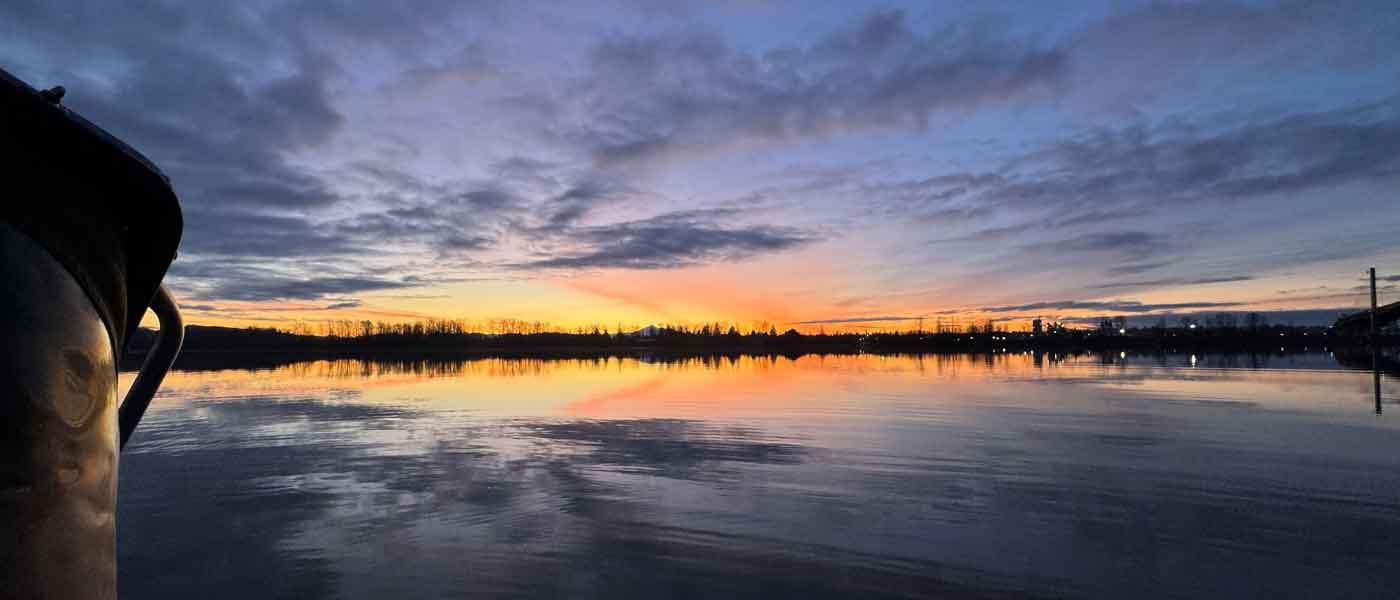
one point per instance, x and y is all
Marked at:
(58, 432)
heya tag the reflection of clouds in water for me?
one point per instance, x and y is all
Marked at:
(214, 492)
(255, 420)
(315, 510)
(912, 484)
(550, 524)
(668, 447)
(190, 494)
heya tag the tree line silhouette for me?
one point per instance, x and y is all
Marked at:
(521, 337)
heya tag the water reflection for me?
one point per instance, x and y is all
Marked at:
(1007, 475)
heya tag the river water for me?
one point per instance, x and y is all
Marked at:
(952, 476)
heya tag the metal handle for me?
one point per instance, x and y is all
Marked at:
(157, 363)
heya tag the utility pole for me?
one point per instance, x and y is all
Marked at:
(1373, 305)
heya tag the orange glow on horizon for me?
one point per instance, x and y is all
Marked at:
(806, 292)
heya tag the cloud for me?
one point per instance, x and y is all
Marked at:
(1120, 173)
(1304, 317)
(955, 214)
(666, 241)
(1174, 281)
(228, 101)
(1132, 54)
(578, 201)
(856, 320)
(992, 234)
(1285, 155)
(1111, 306)
(293, 288)
(702, 94)
(257, 236)
(524, 168)
(269, 117)
(1065, 196)
(1138, 267)
(1124, 245)
(445, 221)
(1096, 217)
(237, 279)
(191, 89)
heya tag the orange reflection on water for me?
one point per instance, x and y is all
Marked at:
(819, 386)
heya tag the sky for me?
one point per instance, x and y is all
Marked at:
(831, 165)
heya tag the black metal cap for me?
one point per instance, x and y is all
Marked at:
(97, 205)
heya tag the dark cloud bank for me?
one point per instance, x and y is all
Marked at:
(224, 98)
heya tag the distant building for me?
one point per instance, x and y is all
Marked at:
(1035, 327)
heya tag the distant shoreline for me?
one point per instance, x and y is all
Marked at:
(215, 348)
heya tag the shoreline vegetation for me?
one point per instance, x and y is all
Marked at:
(209, 346)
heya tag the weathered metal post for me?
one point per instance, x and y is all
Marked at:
(88, 228)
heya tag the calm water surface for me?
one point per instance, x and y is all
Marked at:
(851, 476)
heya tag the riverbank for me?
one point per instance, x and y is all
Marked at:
(217, 348)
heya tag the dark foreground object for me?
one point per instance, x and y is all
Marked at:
(58, 432)
(87, 230)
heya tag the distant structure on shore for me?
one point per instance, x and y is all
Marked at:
(646, 333)
(1369, 322)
